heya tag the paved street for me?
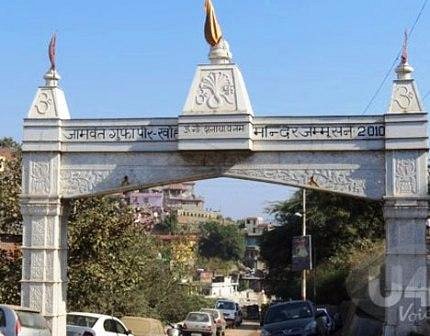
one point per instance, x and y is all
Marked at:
(246, 329)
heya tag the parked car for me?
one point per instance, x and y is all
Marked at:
(20, 321)
(88, 324)
(293, 318)
(220, 322)
(327, 319)
(231, 311)
(199, 324)
(141, 326)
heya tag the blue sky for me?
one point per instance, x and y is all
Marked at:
(137, 58)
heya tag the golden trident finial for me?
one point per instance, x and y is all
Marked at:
(213, 33)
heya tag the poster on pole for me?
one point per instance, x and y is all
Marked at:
(302, 253)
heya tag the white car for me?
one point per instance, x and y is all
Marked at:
(20, 321)
(88, 324)
(220, 322)
(199, 324)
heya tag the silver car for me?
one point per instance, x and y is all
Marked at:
(199, 324)
(19, 321)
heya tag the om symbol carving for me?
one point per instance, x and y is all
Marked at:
(44, 103)
(215, 90)
(404, 97)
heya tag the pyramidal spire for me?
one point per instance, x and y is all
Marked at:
(405, 97)
(50, 101)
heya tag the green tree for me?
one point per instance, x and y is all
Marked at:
(10, 222)
(334, 221)
(10, 276)
(169, 225)
(221, 241)
(10, 188)
(108, 256)
(115, 267)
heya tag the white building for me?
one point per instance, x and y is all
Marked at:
(224, 286)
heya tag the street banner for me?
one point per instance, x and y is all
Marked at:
(302, 253)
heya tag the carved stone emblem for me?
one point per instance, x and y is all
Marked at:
(404, 97)
(39, 178)
(406, 176)
(44, 103)
(217, 91)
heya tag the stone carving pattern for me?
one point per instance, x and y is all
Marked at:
(40, 178)
(49, 299)
(406, 177)
(37, 265)
(38, 232)
(217, 91)
(336, 180)
(49, 267)
(81, 181)
(36, 297)
(50, 231)
(404, 97)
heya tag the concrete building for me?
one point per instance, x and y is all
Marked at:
(219, 286)
(254, 229)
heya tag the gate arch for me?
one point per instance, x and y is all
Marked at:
(381, 157)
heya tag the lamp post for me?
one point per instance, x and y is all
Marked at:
(304, 234)
(303, 216)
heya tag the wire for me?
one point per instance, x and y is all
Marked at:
(426, 95)
(381, 85)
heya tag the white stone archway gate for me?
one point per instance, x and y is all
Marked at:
(381, 157)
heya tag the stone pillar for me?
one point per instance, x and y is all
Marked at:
(44, 278)
(406, 270)
(44, 268)
(406, 207)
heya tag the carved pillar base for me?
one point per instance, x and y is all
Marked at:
(44, 268)
(406, 270)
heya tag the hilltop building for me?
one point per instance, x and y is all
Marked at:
(178, 200)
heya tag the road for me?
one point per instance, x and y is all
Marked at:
(246, 329)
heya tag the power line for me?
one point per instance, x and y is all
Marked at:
(381, 85)
(426, 95)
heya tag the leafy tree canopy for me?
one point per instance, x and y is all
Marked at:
(115, 266)
(221, 241)
(336, 223)
(10, 188)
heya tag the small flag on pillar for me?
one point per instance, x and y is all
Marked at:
(213, 33)
(404, 56)
(51, 50)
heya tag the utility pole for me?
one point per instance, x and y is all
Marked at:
(304, 234)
